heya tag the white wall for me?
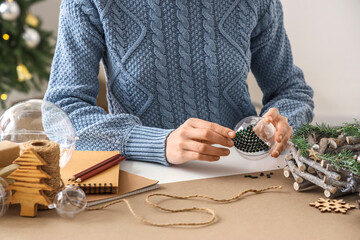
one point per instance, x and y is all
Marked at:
(48, 10)
(325, 37)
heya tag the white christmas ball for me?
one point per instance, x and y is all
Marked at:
(9, 10)
(31, 37)
(316, 147)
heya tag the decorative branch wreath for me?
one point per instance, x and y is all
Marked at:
(328, 157)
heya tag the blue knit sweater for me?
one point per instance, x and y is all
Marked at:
(167, 61)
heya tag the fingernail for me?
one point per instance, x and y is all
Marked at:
(231, 134)
(227, 151)
(276, 153)
(230, 142)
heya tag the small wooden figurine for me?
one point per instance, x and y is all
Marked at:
(28, 185)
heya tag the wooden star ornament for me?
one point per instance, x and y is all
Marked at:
(313, 154)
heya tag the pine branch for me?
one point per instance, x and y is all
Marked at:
(14, 51)
(302, 144)
(326, 130)
(343, 160)
(320, 129)
(351, 129)
(305, 130)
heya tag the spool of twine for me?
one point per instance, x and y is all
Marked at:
(50, 152)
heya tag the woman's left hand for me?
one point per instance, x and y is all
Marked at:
(283, 130)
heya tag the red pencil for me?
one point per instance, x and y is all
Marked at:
(94, 167)
(99, 169)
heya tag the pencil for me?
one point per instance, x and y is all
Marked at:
(99, 169)
(72, 178)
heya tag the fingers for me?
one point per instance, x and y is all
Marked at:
(199, 123)
(272, 116)
(205, 149)
(193, 141)
(282, 136)
(280, 122)
(279, 148)
(208, 136)
(283, 130)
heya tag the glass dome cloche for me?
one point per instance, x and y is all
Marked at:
(39, 120)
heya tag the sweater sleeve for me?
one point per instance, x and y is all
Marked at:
(281, 82)
(74, 86)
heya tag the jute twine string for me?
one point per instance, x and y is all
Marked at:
(50, 152)
(192, 209)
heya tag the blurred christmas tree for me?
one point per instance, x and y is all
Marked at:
(25, 49)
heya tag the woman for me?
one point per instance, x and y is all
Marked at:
(176, 75)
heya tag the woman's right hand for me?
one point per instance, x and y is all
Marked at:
(193, 141)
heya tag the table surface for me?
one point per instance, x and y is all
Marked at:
(277, 214)
(230, 165)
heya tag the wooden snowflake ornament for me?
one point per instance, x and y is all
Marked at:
(332, 205)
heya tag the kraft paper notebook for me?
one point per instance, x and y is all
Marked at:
(106, 186)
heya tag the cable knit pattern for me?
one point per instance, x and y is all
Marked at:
(236, 32)
(167, 61)
(160, 63)
(211, 61)
(185, 61)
